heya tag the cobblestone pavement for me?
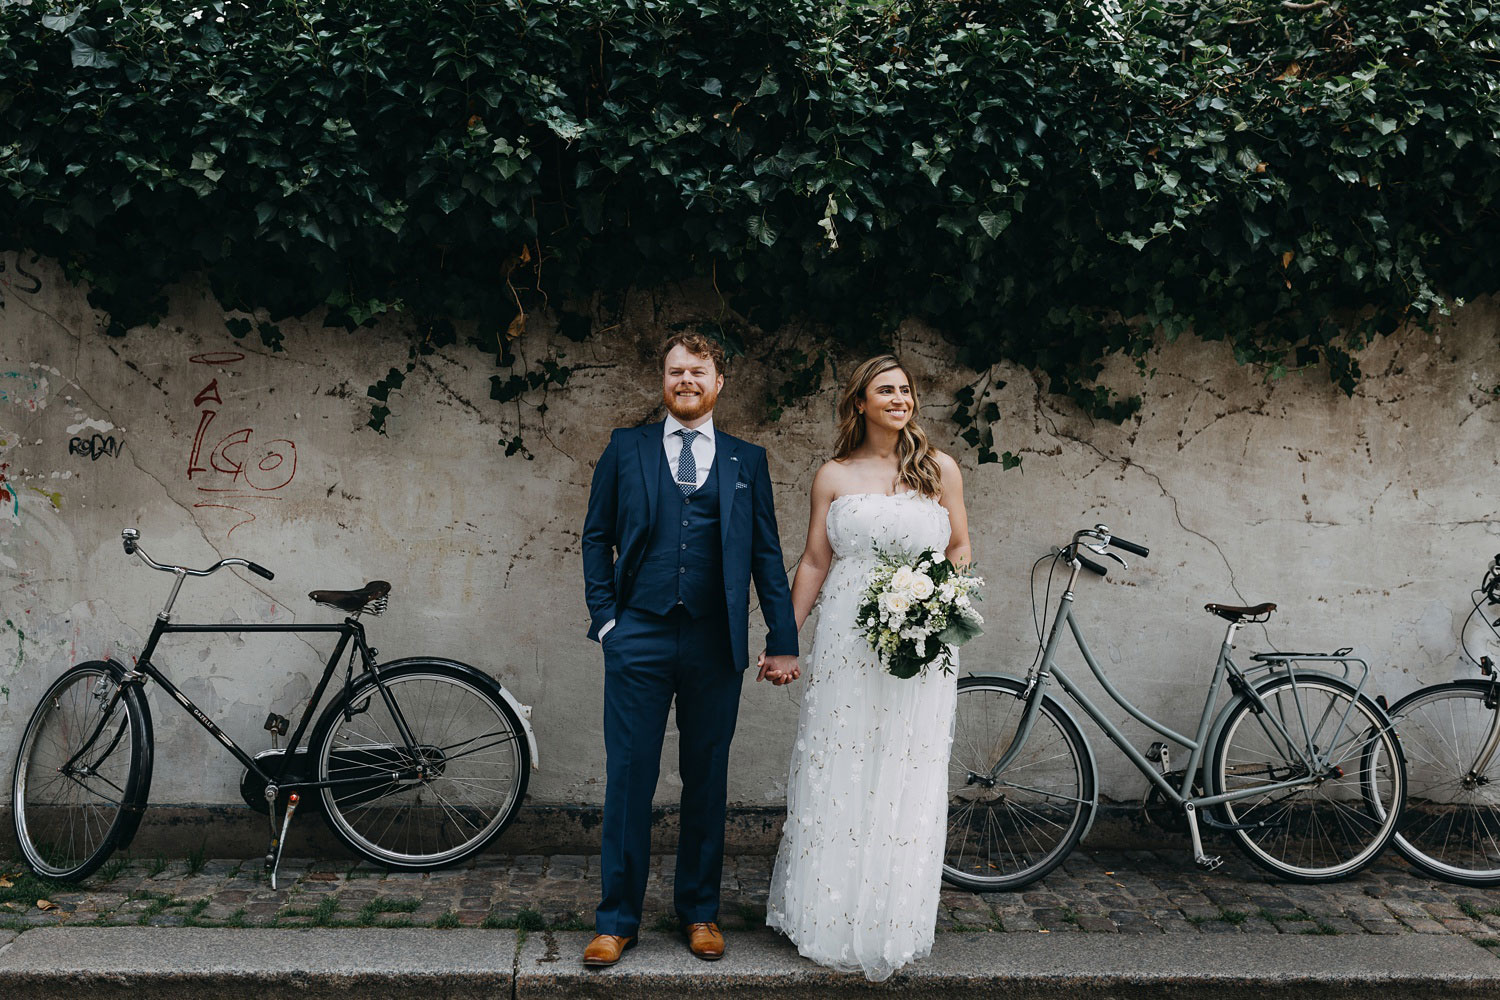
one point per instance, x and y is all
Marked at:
(1135, 892)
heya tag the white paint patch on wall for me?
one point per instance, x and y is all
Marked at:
(102, 426)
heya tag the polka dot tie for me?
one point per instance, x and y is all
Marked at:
(687, 468)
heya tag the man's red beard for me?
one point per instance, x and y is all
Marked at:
(679, 408)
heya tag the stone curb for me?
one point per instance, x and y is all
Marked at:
(69, 962)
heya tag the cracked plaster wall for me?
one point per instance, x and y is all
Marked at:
(1367, 520)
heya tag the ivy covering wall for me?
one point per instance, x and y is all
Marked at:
(1046, 182)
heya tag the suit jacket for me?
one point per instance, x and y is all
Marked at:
(622, 508)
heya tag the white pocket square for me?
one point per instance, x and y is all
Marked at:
(742, 486)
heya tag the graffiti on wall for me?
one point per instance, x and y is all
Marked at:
(10, 501)
(238, 470)
(15, 279)
(95, 447)
(27, 390)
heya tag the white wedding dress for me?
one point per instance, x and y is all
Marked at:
(857, 874)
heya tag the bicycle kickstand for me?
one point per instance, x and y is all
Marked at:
(1205, 861)
(278, 838)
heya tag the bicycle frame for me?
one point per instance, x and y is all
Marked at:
(348, 630)
(1224, 670)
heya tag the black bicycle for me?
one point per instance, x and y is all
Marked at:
(416, 764)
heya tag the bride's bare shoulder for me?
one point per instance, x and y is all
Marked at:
(829, 480)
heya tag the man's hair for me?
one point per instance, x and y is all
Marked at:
(695, 343)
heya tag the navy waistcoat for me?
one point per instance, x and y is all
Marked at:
(684, 563)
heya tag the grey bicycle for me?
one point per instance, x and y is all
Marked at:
(1299, 766)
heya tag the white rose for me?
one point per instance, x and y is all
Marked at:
(946, 593)
(895, 603)
(903, 580)
(921, 586)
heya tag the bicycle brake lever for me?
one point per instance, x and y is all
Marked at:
(1103, 550)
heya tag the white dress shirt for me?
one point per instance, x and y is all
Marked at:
(703, 458)
(703, 446)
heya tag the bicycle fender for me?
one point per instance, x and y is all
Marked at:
(523, 712)
(1211, 744)
(133, 813)
(1088, 747)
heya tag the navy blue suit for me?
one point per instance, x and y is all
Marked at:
(674, 573)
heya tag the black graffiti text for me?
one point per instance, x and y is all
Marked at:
(96, 447)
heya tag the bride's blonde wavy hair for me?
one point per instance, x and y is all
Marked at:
(916, 468)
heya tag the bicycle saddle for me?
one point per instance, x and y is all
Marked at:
(365, 599)
(1234, 613)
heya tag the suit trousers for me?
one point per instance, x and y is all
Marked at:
(650, 660)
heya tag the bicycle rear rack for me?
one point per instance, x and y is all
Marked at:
(1349, 664)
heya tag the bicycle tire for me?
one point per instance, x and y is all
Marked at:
(1338, 826)
(1451, 826)
(471, 748)
(1009, 834)
(67, 824)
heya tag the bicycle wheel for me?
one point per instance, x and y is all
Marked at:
(440, 799)
(1451, 828)
(1316, 729)
(80, 773)
(1008, 831)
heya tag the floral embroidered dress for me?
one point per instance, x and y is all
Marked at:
(858, 871)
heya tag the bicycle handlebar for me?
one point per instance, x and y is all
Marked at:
(1089, 564)
(1103, 538)
(131, 538)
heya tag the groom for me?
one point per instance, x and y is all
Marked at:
(680, 519)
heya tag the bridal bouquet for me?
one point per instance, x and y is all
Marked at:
(917, 610)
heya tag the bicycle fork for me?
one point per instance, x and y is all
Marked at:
(1475, 775)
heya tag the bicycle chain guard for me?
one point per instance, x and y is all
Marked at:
(1163, 812)
(253, 786)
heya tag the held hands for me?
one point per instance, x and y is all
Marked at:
(779, 670)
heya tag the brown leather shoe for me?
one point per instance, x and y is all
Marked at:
(606, 949)
(705, 941)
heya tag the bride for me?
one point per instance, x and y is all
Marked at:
(856, 881)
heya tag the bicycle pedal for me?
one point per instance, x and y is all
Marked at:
(1208, 862)
(1155, 752)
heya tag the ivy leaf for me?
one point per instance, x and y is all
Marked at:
(382, 390)
(270, 336)
(760, 229)
(62, 22)
(994, 223)
(87, 53)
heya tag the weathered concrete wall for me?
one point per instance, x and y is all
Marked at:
(1367, 519)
